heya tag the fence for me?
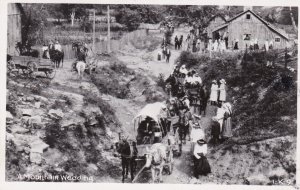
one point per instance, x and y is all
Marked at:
(102, 46)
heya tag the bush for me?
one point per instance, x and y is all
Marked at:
(112, 80)
(161, 81)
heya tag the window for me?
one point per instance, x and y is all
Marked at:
(248, 16)
(247, 37)
(277, 39)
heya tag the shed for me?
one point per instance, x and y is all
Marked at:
(248, 26)
(14, 27)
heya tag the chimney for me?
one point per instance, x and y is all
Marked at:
(246, 8)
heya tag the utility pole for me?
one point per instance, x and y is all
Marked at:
(108, 30)
(94, 28)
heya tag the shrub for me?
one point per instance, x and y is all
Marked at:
(161, 81)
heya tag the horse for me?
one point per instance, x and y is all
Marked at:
(156, 159)
(79, 48)
(56, 57)
(80, 68)
(172, 80)
(204, 96)
(128, 154)
(26, 50)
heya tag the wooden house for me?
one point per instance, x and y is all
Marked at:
(14, 26)
(248, 26)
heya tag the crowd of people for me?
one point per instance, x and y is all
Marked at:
(189, 123)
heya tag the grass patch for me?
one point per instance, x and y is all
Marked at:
(113, 79)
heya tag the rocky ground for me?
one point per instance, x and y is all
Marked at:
(67, 126)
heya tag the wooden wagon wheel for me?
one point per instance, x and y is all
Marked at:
(50, 73)
(31, 68)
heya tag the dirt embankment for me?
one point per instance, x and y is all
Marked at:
(61, 127)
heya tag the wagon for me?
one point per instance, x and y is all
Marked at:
(158, 115)
(30, 65)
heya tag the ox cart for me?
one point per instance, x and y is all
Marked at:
(31, 65)
(153, 116)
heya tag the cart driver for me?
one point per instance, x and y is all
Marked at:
(144, 130)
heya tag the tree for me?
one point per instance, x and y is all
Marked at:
(33, 23)
(292, 19)
(72, 15)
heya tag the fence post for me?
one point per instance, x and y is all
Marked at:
(285, 58)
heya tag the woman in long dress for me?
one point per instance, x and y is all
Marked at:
(201, 165)
(227, 125)
(214, 93)
(222, 89)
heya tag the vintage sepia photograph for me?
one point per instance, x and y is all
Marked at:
(145, 93)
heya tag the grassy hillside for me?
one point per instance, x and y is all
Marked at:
(263, 97)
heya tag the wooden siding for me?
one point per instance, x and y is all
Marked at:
(14, 34)
(256, 28)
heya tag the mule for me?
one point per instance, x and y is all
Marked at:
(172, 80)
(156, 159)
(128, 156)
(80, 68)
(56, 57)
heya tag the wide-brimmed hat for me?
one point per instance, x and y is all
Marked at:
(214, 81)
(201, 141)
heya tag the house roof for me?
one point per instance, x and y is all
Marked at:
(217, 15)
(259, 18)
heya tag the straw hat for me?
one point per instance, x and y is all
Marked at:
(214, 81)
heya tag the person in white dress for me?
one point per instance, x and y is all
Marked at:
(216, 46)
(197, 133)
(214, 93)
(222, 89)
(220, 116)
(201, 165)
(267, 45)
